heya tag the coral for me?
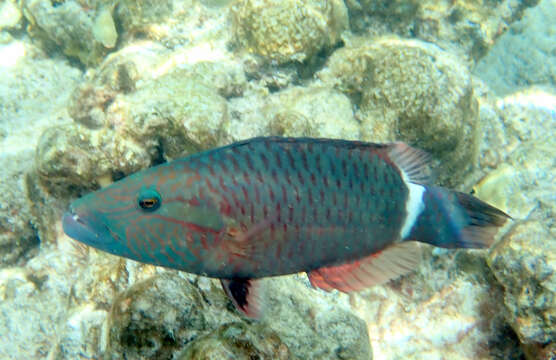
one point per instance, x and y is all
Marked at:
(316, 327)
(524, 172)
(411, 91)
(122, 69)
(89, 103)
(169, 22)
(288, 30)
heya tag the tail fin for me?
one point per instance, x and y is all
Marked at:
(452, 219)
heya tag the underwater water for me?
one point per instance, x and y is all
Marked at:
(93, 91)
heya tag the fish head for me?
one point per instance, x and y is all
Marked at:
(141, 216)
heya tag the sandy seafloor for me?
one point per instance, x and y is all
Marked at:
(93, 90)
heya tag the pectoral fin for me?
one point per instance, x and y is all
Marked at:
(244, 294)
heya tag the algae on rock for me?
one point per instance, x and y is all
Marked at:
(176, 113)
(10, 15)
(167, 315)
(314, 112)
(298, 111)
(288, 30)
(525, 54)
(18, 235)
(524, 261)
(73, 157)
(237, 341)
(33, 92)
(467, 28)
(85, 35)
(130, 116)
(136, 16)
(411, 91)
(449, 308)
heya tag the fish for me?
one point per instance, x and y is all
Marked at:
(350, 214)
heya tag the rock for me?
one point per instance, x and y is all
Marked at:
(465, 28)
(216, 3)
(173, 24)
(58, 303)
(73, 158)
(237, 341)
(166, 315)
(79, 33)
(298, 111)
(524, 173)
(524, 55)
(175, 114)
(449, 308)
(33, 90)
(411, 91)
(10, 15)
(164, 118)
(137, 16)
(524, 262)
(80, 335)
(155, 318)
(313, 324)
(314, 112)
(18, 235)
(288, 30)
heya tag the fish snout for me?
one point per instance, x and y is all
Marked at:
(86, 228)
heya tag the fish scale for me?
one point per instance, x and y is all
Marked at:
(302, 169)
(346, 212)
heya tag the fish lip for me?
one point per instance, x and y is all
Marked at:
(79, 227)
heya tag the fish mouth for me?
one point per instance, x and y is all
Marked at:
(81, 228)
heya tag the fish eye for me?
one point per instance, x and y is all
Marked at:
(149, 200)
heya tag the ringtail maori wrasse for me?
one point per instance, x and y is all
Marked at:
(348, 213)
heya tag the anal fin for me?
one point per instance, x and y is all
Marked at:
(244, 294)
(394, 261)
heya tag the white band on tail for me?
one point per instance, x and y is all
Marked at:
(413, 208)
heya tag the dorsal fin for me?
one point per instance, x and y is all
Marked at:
(414, 163)
(394, 261)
